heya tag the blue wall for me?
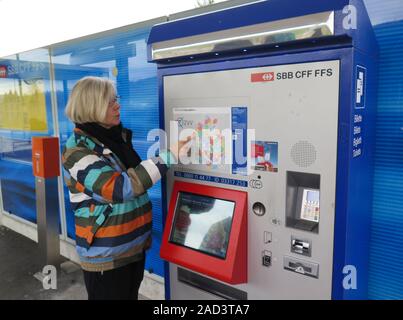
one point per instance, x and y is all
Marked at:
(386, 251)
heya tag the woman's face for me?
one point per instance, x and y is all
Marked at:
(113, 114)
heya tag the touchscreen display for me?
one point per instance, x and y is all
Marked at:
(310, 209)
(202, 223)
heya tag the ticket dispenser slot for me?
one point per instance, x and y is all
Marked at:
(303, 201)
(301, 246)
(301, 266)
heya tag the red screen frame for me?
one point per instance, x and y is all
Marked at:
(232, 269)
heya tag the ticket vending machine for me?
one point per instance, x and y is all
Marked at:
(280, 100)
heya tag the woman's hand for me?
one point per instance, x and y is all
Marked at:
(181, 148)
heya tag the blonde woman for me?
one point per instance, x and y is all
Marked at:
(108, 185)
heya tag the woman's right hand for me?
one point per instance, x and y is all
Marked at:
(181, 148)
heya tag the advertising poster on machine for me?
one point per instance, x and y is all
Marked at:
(218, 133)
(265, 156)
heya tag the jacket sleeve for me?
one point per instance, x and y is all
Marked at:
(92, 173)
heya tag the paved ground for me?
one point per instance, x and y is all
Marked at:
(19, 261)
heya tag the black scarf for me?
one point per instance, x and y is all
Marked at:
(112, 138)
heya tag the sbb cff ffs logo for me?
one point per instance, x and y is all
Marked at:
(262, 77)
(289, 75)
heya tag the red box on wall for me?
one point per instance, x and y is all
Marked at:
(221, 252)
(3, 72)
(45, 157)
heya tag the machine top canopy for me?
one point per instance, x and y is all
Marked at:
(260, 24)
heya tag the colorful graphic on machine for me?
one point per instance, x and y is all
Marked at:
(211, 127)
(270, 76)
(264, 156)
(203, 223)
(212, 151)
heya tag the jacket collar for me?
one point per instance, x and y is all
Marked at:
(99, 146)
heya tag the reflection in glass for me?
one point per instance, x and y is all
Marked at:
(23, 105)
(25, 111)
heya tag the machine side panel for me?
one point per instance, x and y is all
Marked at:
(361, 173)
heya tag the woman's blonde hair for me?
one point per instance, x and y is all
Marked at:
(89, 100)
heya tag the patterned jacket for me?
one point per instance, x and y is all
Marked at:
(113, 217)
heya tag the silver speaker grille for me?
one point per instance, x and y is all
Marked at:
(303, 154)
